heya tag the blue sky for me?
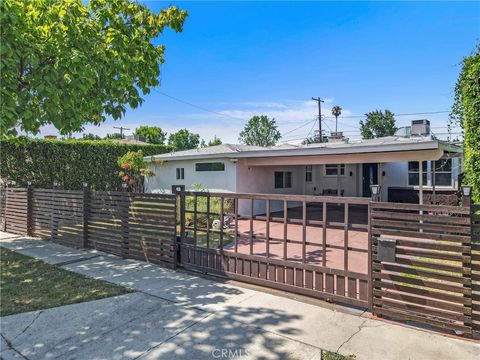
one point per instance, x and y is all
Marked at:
(238, 59)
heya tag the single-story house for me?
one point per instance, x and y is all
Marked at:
(338, 167)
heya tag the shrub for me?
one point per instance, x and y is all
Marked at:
(69, 162)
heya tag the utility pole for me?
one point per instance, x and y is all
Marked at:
(121, 128)
(320, 133)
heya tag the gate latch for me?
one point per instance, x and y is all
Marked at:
(386, 250)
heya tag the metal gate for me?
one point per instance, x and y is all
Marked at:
(316, 246)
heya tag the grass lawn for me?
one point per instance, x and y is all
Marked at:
(27, 284)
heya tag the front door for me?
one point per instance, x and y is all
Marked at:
(370, 177)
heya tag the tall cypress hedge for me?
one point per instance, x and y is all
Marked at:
(69, 162)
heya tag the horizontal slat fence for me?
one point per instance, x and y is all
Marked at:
(429, 281)
(16, 210)
(130, 225)
(476, 267)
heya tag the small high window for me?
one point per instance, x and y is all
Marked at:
(283, 179)
(211, 166)
(308, 173)
(335, 169)
(180, 173)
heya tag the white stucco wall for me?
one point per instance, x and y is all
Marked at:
(165, 176)
(396, 175)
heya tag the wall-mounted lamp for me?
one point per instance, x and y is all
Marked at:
(383, 173)
(466, 190)
(351, 173)
(375, 189)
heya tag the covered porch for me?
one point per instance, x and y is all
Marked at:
(349, 170)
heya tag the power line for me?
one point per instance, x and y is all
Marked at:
(197, 106)
(305, 124)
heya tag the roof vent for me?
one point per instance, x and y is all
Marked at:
(420, 127)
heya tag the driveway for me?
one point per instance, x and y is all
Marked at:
(177, 315)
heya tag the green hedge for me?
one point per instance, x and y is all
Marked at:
(70, 162)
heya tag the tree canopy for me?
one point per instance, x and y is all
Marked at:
(153, 134)
(260, 131)
(183, 140)
(466, 112)
(69, 63)
(378, 124)
(215, 141)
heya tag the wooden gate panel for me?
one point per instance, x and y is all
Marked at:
(429, 278)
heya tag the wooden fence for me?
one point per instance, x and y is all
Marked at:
(422, 265)
(136, 226)
(476, 267)
(403, 261)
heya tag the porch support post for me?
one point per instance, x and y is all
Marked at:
(434, 194)
(420, 183)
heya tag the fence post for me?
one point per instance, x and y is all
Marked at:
(179, 191)
(3, 203)
(125, 224)
(86, 212)
(467, 275)
(370, 256)
(29, 209)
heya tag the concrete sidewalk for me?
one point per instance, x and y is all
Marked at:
(177, 315)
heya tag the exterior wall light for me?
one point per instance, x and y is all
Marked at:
(375, 189)
(466, 190)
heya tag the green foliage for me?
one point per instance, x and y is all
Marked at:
(260, 131)
(214, 142)
(114, 136)
(91, 137)
(183, 140)
(153, 134)
(70, 162)
(133, 170)
(69, 62)
(378, 124)
(466, 112)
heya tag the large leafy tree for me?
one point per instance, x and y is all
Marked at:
(260, 131)
(69, 63)
(183, 140)
(466, 112)
(378, 124)
(153, 134)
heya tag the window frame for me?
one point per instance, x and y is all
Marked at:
(180, 173)
(338, 168)
(213, 164)
(286, 179)
(308, 173)
(437, 172)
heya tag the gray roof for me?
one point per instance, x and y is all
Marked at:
(384, 144)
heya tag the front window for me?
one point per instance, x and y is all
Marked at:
(283, 179)
(180, 173)
(211, 166)
(413, 173)
(443, 172)
(308, 173)
(334, 169)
